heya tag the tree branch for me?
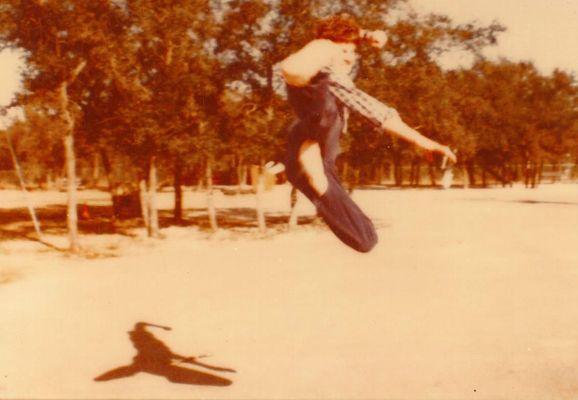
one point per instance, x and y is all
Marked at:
(75, 72)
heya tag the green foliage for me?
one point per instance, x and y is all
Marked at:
(193, 80)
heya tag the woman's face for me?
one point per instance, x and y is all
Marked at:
(347, 57)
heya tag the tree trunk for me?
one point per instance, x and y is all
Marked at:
(202, 177)
(412, 174)
(510, 174)
(177, 183)
(471, 173)
(72, 215)
(557, 169)
(259, 200)
(380, 173)
(465, 178)
(389, 172)
(154, 230)
(50, 180)
(210, 197)
(245, 175)
(22, 182)
(397, 170)
(432, 175)
(534, 176)
(111, 185)
(517, 172)
(241, 174)
(374, 179)
(95, 170)
(107, 171)
(293, 217)
(415, 172)
(144, 204)
(70, 165)
(200, 184)
(505, 175)
(70, 159)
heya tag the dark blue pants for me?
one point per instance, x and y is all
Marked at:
(337, 209)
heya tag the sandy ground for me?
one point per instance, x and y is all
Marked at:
(470, 294)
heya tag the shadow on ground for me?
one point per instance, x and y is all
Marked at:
(533, 202)
(234, 219)
(156, 358)
(16, 224)
(560, 203)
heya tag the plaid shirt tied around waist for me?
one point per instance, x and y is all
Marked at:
(356, 100)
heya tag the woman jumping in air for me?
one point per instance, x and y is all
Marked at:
(321, 91)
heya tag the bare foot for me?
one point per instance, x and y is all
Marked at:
(274, 168)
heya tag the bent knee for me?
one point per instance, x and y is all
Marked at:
(312, 163)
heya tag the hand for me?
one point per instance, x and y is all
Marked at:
(376, 39)
(191, 360)
(447, 152)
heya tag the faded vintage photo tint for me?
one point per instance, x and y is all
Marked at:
(288, 199)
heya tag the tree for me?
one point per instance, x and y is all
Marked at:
(60, 39)
(169, 79)
(407, 75)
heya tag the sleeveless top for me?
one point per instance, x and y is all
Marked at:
(320, 116)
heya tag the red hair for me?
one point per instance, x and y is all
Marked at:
(342, 28)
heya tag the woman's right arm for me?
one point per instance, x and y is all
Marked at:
(299, 68)
(384, 117)
(401, 129)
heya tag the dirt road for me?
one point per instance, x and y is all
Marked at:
(469, 294)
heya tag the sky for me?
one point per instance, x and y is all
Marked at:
(10, 66)
(543, 31)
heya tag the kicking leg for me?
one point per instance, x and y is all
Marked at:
(118, 373)
(312, 164)
(317, 180)
(345, 218)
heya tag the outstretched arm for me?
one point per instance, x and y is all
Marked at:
(396, 126)
(382, 116)
(194, 361)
